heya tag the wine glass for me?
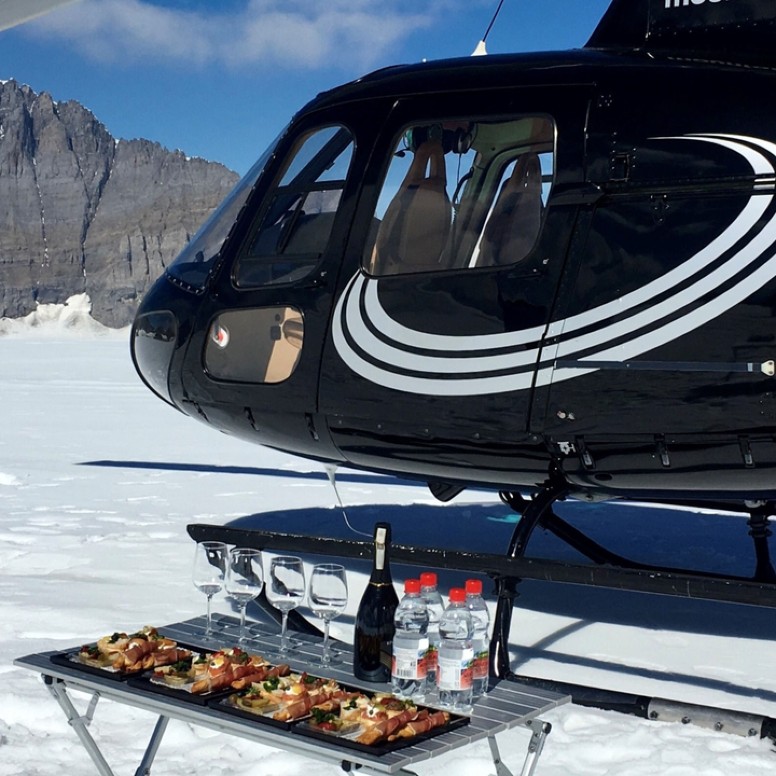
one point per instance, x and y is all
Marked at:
(244, 580)
(328, 597)
(285, 590)
(208, 573)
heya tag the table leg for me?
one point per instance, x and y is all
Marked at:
(79, 723)
(540, 731)
(153, 746)
(501, 769)
(364, 770)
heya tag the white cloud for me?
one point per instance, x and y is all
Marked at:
(301, 33)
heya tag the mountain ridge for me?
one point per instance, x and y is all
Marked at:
(84, 212)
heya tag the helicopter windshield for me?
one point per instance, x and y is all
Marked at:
(194, 263)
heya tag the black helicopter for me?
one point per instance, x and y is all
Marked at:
(494, 270)
(552, 275)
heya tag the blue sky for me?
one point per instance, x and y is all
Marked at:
(219, 78)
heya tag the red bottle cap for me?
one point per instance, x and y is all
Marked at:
(474, 586)
(411, 585)
(457, 595)
(428, 579)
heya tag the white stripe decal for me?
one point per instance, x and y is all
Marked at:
(689, 295)
(471, 371)
(429, 385)
(394, 330)
(402, 359)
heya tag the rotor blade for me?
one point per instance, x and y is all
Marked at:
(13, 12)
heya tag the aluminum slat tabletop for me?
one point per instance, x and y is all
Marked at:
(506, 706)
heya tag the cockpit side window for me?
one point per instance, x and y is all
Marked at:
(294, 229)
(463, 194)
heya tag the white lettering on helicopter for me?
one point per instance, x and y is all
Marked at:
(682, 3)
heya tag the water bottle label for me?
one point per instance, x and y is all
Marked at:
(410, 663)
(432, 653)
(456, 673)
(481, 666)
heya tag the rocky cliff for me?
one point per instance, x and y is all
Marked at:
(81, 212)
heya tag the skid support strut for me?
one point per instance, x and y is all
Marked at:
(759, 512)
(531, 512)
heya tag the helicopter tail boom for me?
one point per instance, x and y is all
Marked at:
(730, 30)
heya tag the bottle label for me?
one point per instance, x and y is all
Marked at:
(481, 667)
(456, 673)
(432, 653)
(410, 663)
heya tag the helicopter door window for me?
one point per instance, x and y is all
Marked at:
(262, 345)
(295, 228)
(463, 194)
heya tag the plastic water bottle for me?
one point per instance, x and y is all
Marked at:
(456, 656)
(409, 676)
(435, 606)
(478, 609)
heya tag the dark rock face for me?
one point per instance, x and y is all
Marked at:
(81, 212)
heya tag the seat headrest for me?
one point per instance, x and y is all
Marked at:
(515, 221)
(527, 175)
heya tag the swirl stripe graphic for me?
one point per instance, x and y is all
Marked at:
(468, 366)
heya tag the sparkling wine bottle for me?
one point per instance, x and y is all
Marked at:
(372, 649)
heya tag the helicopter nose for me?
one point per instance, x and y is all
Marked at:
(154, 335)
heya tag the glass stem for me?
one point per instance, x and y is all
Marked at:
(209, 626)
(325, 657)
(243, 607)
(283, 634)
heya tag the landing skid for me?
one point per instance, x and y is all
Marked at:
(538, 513)
(606, 569)
(621, 572)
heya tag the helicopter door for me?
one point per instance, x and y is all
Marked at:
(437, 333)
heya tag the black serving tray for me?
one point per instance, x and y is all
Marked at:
(304, 729)
(302, 726)
(69, 659)
(143, 682)
(228, 706)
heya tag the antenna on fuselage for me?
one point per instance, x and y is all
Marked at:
(480, 49)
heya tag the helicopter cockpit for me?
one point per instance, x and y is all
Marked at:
(456, 195)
